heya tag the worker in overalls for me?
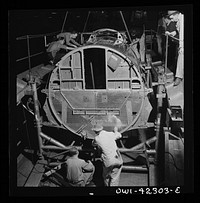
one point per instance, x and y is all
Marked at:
(178, 17)
(55, 50)
(110, 155)
(70, 41)
(79, 173)
(168, 27)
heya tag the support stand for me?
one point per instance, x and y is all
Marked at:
(37, 117)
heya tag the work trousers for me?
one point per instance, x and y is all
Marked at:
(180, 64)
(57, 56)
(111, 175)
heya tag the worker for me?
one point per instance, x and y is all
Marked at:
(138, 40)
(178, 17)
(79, 172)
(138, 20)
(110, 155)
(54, 50)
(70, 39)
(172, 45)
(165, 25)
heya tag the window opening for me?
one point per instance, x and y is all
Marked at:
(95, 71)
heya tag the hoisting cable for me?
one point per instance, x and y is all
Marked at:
(86, 21)
(64, 21)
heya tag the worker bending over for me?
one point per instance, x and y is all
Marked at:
(110, 155)
(70, 39)
(54, 50)
(79, 173)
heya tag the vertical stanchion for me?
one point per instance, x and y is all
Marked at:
(45, 41)
(166, 53)
(160, 142)
(144, 43)
(151, 40)
(37, 117)
(29, 58)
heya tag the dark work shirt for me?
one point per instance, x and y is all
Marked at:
(172, 27)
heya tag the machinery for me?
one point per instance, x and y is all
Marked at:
(94, 82)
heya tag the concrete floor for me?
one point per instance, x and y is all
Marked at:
(133, 179)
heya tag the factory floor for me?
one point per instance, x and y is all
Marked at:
(174, 158)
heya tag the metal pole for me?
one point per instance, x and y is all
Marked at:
(149, 141)
(134, 168)
(144, 42)
(29, 59)
(52, 140)
(166, 53)
(92, 73)
(125, 25)
(45, 40)
(37, 117)
(151, 40)
(64, 21)
(160, 143)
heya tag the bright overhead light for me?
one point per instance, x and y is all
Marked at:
(53, 13)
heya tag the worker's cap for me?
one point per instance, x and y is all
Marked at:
(73, 151)
(169, 13)
(98, 127)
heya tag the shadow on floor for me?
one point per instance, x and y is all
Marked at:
(97, 178)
